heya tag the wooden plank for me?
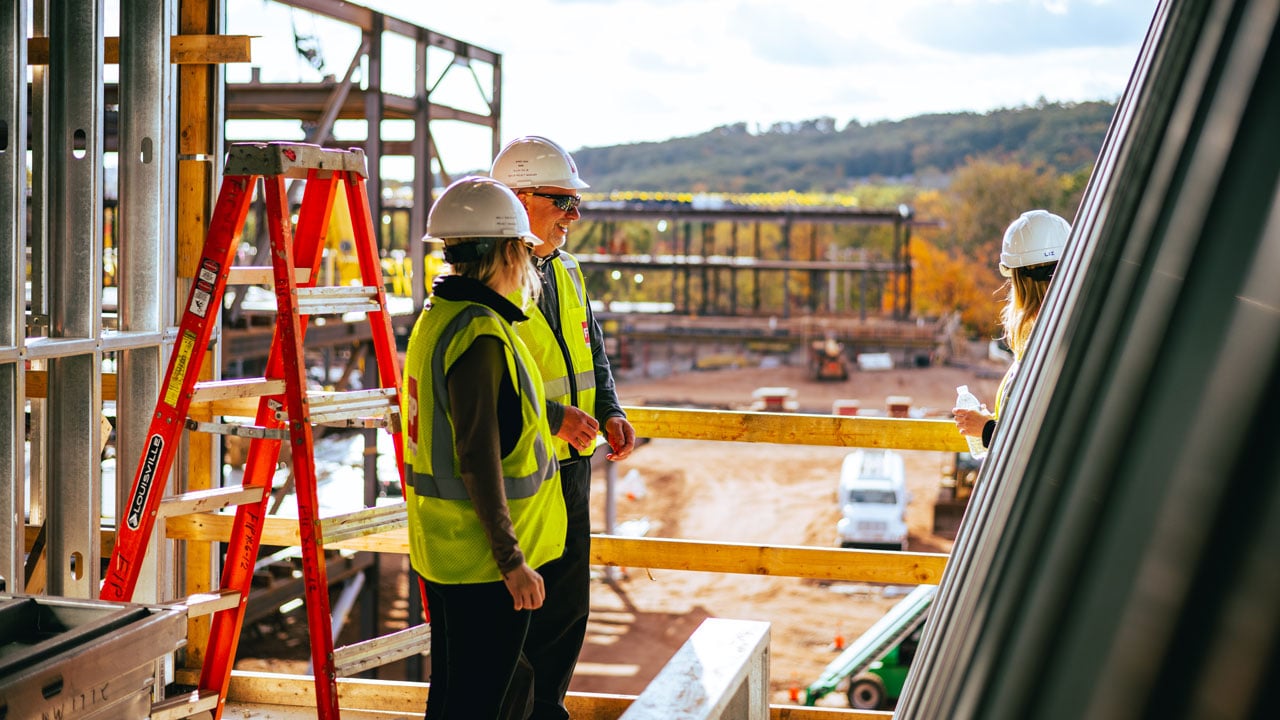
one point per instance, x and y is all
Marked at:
(206, 49)
(183, 50)
(38, 384)
(899, 568)
(193, 204)
(391, 696)
(884, 566)
(797, 429)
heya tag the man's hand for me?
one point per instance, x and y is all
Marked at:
(526, 588)
(578, 429)
(621, 437)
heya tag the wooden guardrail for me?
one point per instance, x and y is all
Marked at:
(905, 568)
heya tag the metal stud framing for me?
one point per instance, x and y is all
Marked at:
(13, 212)
(146, 234)
(73, 482)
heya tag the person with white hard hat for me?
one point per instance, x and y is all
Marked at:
(1029, 256)
(566, 340)
(485, 505)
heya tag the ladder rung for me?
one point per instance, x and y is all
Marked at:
(335, 300)
(212, 390)
(181, 706)
(364, 423)
(257, 432)
(261, 275)
(360, 523)
(211, 602)
(337, 407)
(198, 501)
(358, 657)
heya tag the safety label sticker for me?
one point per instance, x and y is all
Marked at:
(186, 345)
(209, 271)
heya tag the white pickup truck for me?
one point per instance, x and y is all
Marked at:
(873, 501)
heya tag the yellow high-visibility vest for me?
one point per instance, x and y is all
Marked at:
(447, 543)
(568, 372)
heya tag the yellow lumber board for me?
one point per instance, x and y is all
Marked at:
(796, 429)
(183, 49)
(216, 527)
(392, 696)
(903, 568)
(37, 384)
(204, 49)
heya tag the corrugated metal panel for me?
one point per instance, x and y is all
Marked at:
(1118, 559)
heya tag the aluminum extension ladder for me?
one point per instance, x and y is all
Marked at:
(285, 410)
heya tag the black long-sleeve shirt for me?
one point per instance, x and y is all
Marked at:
(481, 390)
(607, 404)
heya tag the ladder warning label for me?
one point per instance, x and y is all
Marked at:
(146, 478)
(202, 293)
(208, 271)
(185, 346)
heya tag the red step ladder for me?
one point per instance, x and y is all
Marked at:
(285, 409)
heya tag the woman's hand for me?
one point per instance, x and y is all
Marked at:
(971, 422)
(526, 588)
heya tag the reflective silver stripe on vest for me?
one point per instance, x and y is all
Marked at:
(570, 264)
(450, 486)
(559, 387)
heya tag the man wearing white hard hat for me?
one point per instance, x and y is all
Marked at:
(1029, 256)
(485, 504)
(566, 340)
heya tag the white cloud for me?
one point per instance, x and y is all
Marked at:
(605, 72)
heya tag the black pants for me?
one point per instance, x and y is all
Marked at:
(558, 627)
(478, 671)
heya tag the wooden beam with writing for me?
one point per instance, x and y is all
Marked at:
(183, 49)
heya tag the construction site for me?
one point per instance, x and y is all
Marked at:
(202, 461)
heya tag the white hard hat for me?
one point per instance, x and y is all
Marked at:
(1035, 238)
(478, 207)
(533, 161)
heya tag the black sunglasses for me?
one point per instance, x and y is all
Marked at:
(566, 203)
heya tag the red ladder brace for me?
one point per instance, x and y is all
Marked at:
(324, 171)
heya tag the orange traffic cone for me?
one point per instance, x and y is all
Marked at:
(793, 692)
(838, 641)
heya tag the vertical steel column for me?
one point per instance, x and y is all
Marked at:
(146, 265)
(373, 106)
(37, 243)
(13, 237)
(75, 295)
(786, 273)
(422, 178)
(755, 271)
(733, 272)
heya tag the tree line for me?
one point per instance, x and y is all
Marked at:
(966, 176)
(815, 156)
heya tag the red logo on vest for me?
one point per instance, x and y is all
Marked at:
(586, 336)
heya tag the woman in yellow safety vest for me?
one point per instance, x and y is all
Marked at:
(483, 484)
(1028, 258)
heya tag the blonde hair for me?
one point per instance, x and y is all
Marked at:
(1026, 295)
(508, 263)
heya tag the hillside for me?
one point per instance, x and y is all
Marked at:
(813, 156)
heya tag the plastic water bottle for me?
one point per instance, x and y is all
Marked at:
(966, 400)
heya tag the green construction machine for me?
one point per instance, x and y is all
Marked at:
(876, 664)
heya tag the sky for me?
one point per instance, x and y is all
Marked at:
(591, 73)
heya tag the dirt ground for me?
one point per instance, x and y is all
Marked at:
(733, 492)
